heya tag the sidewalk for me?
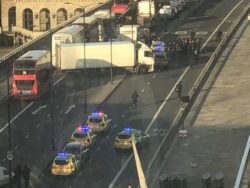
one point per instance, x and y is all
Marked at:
(218, 124)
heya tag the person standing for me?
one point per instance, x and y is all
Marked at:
(26, 175)
(18, 173)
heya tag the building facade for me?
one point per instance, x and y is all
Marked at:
(36, 16)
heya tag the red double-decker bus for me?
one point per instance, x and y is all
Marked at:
(31, 74)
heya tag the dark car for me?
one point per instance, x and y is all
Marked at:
(78, 150)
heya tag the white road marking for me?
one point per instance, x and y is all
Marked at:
(39, 108)
(38, 125)
(27, 136)
(29, 105)
(70, 108)
(148, 83)
(16, 116)
(142, 90)
(162, 105)
(123, 115)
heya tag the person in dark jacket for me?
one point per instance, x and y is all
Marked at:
(134, 98)
(18, 174)
(26, 175)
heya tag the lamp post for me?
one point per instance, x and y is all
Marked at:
(84, 54)
(52, 99)
(84, 51)
(150, 24)
(111, 49)
(9, 153)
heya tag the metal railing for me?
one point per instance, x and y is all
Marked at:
(192, 94)
(47, 33)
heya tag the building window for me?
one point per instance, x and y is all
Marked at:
(12, 17)
(61, 15)
(44, 19)
(77, 11)
(28, 19)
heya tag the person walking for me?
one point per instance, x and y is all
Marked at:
(26, 175)
(134, 98)
(218, 35)
(18, 173)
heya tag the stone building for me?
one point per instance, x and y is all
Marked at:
(30, 18)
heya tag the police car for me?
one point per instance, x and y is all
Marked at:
(160, 56)
(98, 122)
(124, 138)
(83, 135)
(65, 164)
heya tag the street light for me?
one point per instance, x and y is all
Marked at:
(84, 51)
(9, 153)
(111, 49)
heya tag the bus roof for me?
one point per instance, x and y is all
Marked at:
(33, 54)
(69, 30)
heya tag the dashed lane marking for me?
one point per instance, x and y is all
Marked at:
(27, 136)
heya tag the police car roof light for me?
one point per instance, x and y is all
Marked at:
(127, 129)
(62, 153)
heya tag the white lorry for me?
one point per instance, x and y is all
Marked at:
(133, 33)
(146, 11)
(125, 54)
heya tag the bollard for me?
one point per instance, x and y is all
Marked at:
(206, 180)
(164, 180)
(182, 181)
(173, 181)
(219, 180)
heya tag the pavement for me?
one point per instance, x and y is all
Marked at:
(217, 124)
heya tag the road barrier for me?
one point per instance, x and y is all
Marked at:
(175, 126)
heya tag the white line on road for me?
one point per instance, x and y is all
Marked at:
(38, 109)
(27, 136)
(38, 125)
(23, 110)
(70, 108)
(162, 105)
(16, 116)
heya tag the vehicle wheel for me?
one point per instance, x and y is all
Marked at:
(143, 70)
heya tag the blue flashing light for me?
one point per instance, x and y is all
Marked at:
(96, 114)
(62, 154)
(83, 129)
(128, 129)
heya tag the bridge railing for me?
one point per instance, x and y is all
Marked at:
(175, 126)
(47, 33)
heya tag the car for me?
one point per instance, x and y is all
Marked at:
(83, 135)
(124, 138)
(4, 176)
(77, 149)
(65, 164)
(98, 122)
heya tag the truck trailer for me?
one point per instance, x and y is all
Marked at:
(125, 54)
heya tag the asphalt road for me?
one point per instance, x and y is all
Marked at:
(33, 144)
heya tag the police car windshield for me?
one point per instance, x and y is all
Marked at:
(80, 135)
(123, 136)
(95, 120)
(61, 162)
(73, 149)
